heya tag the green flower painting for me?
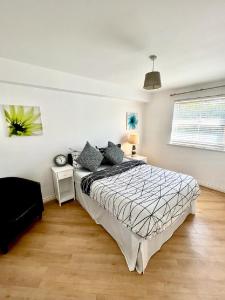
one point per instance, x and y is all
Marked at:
(23, 120)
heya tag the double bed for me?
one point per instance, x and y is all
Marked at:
(139, 205)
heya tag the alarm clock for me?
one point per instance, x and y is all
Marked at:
(60, 160)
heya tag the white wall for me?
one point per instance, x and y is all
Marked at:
(69, 120)
(25, 74)
(207, 166)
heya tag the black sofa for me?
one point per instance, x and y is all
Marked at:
(20, 204)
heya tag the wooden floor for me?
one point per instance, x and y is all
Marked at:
(67, 256)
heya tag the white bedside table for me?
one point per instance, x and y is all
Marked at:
(63, 183)
(137, 157)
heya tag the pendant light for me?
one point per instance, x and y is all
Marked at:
(152, 79)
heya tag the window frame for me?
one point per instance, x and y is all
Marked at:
(195, 145)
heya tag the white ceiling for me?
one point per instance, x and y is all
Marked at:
(111, 39)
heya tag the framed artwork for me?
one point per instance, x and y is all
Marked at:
(22, 120)
(132, 121)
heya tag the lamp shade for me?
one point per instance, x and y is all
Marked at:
(133, 139)
(152, 81)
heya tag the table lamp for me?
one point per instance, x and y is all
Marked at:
(134, 140)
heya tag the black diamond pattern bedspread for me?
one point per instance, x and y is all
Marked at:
(144, 198)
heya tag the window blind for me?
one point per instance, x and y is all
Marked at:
(199, 123)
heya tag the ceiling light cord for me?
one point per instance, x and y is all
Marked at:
(153, 58)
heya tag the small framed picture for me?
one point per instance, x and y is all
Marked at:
(132, 121)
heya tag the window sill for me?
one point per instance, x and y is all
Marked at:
(197, 147)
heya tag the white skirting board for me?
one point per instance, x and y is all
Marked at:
(49, 198)
(211, 186)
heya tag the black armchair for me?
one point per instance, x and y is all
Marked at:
(20, 204)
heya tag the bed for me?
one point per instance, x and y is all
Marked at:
(139, 205)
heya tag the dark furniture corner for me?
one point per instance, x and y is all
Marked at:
(20, 204)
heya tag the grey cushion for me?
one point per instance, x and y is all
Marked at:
(102, 151)
(90, 158)
(110, 144)
(105, 161)
(114, 154)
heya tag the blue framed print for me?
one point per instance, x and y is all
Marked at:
(132, 121)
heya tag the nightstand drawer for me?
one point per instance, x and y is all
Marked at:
(65, 174)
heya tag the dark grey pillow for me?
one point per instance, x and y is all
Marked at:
(110, 144)
(90, 158)
(105, 161)
(102, 151)
(114, 154)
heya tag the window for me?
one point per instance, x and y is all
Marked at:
(199, 123)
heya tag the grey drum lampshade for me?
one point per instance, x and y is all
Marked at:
(152, 80)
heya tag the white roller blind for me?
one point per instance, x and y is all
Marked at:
(199, 123)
